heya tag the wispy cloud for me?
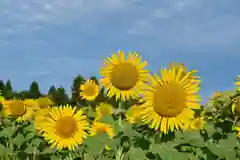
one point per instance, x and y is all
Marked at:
(34, 74)
(54, 40)
(192, 24)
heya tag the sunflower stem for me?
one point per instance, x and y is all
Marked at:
(70, 156)
(118, 154)
(120, 105)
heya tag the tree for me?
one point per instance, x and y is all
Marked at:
(60, 97)
(2, 85)
(76, 89)
(7, 92)
(34, 90)
(52, 90)
(8, 85)
(23, 95)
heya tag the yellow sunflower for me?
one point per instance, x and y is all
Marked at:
(196, 124)
(169, 99)
(64, 128)
(41, 116)
(237, 128)
(89, 90)
(236, 106)
(44, 102)
(99, 127)
(133, 114)
(31, 103)
(102, 110)
(17, 109)
(237, 83)
(177, 66)
(123, 77)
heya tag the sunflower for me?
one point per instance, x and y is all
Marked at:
(41, 116)
(236, 106)
(196, 124)
(237, 83)
(64, 128)
(177, 66)
(102, 110)
(31, 103)
(89, 90)
(44, 102)
(237, 128)
(18, 110)
(169, 99)
(123, 77)
(133, 114)
(99, 127)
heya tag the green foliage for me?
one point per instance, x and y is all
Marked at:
(217, 139)
(34, 91)
(75, 89)
(60, 97)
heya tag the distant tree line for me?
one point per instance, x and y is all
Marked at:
(57, 94)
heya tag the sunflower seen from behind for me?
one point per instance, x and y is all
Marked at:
(89, 90)
(123, 76)
(103, 110)
(170, 98)
(236, 106)
(18, 110)
(133, 114)
(65, 127)
(99, 127)
(177, 66)
(196, 124)
(44, 102)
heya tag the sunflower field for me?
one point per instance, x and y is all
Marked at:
(145, 116)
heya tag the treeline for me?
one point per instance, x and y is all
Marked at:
(57, 94)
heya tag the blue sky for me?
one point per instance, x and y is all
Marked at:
(52, 41)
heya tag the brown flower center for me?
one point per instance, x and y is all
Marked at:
(124, 76)
(89, 90)
(169, 100)
(17, 108)
(66, 127)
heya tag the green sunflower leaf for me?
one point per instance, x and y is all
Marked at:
(167, 151)
(194, 138)
(29, 136)
(95, 144)
(55, 157)
(19, 140)
(113, 143)
(49, 150)
(136, 154)
(108, 120)
(210, 128)
(223, 149)
(129, 131)
(7, 132)
(88, 157)
(30, 149)
(36, 141)
(3, 150)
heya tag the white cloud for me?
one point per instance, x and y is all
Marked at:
(191, 24)
(35, 15)
(38, 73)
